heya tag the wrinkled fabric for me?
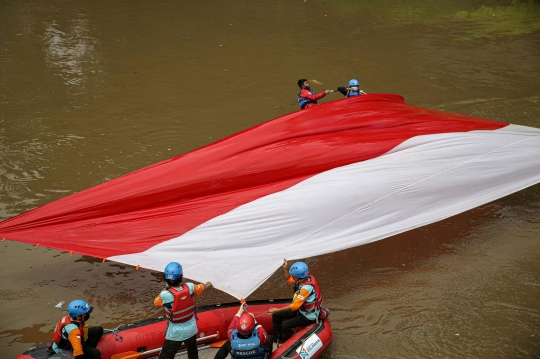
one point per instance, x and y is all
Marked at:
(343, 174)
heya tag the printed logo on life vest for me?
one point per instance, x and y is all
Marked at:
(310, 347)
(183, 298)
(300, 297)
(247, 352)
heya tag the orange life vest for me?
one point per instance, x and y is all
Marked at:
(61, 342)
(183, 308)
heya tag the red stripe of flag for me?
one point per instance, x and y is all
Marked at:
(141, 209)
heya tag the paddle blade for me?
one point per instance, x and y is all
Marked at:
(127, 355)
(218, 344)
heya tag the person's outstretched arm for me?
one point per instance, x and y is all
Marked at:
(306, 94)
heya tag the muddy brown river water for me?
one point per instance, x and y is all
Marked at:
(93, 90)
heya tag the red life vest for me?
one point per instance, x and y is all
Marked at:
(183, 308)
(317, 302)
(61, 342)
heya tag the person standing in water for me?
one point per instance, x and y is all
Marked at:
(353, 89)
(306, 96)
(177, 301)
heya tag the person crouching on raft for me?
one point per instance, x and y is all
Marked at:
(306, 306)
(72, 333)
(306, 97)
(247, 338)
(177, 301)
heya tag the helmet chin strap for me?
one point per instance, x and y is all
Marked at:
(82, 318)
(83, 339)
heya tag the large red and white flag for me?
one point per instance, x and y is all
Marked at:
(316, 181)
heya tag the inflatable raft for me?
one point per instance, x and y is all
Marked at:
(143, 340)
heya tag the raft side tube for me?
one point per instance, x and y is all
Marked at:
(213, 321)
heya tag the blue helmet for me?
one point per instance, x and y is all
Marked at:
(354, 83)
(299, 269)
(173, 271)
(78, 307)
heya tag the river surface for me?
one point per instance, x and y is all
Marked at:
(91, 90)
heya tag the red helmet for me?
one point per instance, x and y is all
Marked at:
(246, 324)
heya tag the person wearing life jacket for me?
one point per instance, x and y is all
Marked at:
(353, 90)
(305, 307)
(177, 301)
(306, 97)
(73, 334)
(247, 338)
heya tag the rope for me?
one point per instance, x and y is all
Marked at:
(115, 334)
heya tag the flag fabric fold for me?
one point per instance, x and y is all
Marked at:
(316, 181)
